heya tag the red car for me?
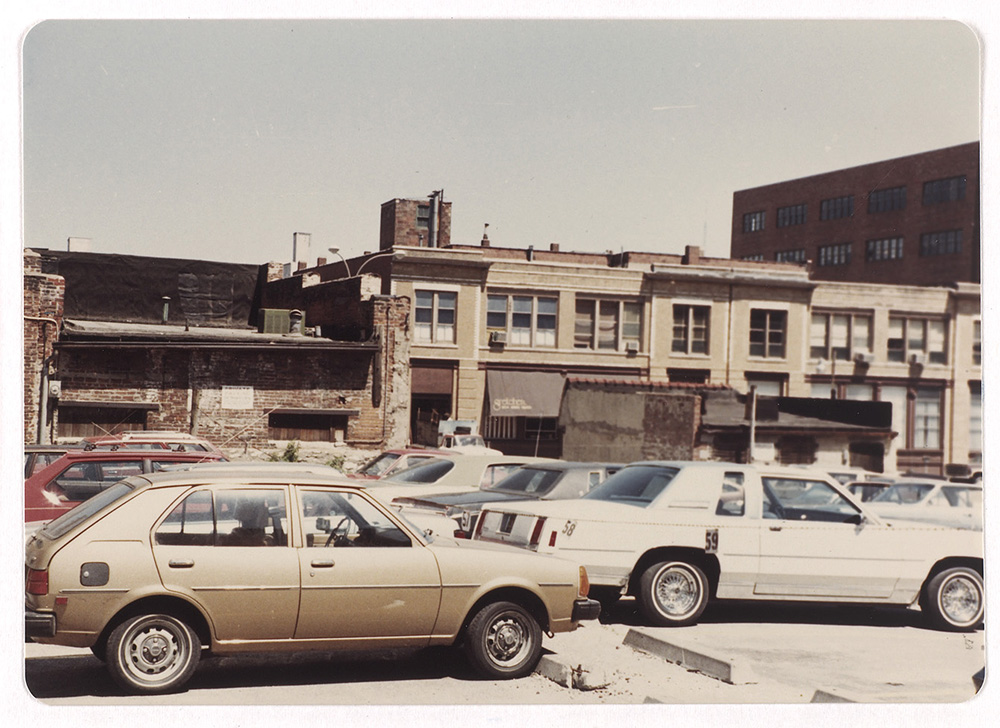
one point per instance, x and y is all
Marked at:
(392, 461)
(80, 474)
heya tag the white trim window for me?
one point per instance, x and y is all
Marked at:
(526, 320)
(924, 337)
(690, 332)
(839, 335)
(434, 317)
(768, 333)
(608, 325)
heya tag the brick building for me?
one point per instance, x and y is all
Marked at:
(419, 223)
(44, 294)
(911, 220)
(174, 344)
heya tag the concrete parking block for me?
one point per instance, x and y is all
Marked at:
(831, 696)
(561, 672)
(727, 670)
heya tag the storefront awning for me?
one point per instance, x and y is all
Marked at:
(524, 394)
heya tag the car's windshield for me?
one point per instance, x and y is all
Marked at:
(905, 493)
(380, 464)
(534, 481)
(65, 522)
(429, 472)
(638, 485)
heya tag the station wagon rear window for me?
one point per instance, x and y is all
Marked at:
(639, 485)
(58, 526)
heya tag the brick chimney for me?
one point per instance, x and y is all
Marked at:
(692, 255)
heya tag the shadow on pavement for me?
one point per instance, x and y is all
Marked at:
(84, 675)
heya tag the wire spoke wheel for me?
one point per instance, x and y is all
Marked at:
(955, 598)
(673, 594)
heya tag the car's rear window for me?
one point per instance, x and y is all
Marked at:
(423, 473)
(638, 485)
(536, 481)
(58, 526)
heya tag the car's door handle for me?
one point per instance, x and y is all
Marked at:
(322, 563)
(774, 528)
(181, 563)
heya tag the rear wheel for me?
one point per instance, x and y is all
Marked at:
(152, 653)
(504, 641)
(955, 599)
(673, 593)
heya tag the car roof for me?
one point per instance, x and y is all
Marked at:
(276, 475)
(563, 465)
(127, 454)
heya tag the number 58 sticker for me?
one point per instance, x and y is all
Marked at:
(711, 541)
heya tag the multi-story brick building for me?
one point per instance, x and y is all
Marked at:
(912, 220)
(495, 332)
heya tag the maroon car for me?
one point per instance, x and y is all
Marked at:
(393, 461)
(80, 474)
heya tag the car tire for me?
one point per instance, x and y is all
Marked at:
(955, 599)
(152, 653)
(503, 640)
(673, 593)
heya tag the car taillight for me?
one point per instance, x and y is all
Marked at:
(37, 582)
(536, 534)
(584, 583)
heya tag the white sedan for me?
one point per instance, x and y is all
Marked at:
(675, 534)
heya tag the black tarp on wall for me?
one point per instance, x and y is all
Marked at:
(130, 288)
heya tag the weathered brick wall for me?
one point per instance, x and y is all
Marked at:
(44, 297)
(187, 384)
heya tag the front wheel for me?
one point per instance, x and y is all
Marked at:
(504, 641)
(955, 599)
(673, 593)
(152, 653)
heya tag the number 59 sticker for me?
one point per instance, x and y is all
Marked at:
(711, 541)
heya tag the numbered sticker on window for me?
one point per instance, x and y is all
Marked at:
(711, 541)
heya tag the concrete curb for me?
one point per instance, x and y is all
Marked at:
(726, 670)
(576, 677)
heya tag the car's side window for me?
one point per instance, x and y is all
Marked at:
(495, 473)
(801, 499)
(344, 519)
(236, 517)
(732, 500)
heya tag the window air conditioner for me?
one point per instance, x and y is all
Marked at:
(864, 357)
(498, 337)
(631, 347)
(918, 358)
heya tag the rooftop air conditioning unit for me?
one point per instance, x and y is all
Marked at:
(275, 321)
(864, 357)
(498, 337)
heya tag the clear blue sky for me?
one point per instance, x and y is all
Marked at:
(219, 139)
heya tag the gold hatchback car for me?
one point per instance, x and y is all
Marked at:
(157, 569)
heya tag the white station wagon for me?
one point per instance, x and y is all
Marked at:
(676, 534)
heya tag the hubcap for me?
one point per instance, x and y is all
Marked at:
(153, 652)
(506, 639)
(676, 592)
(961, 599)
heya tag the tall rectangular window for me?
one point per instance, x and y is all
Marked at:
(887, 200)
(753, 221)
(839, 254)
(951, 189)
(975, 422)
(839, 335)
(767, 333)
(927, 419)
(909, 336)
(977, 343)
(608, 325)
(690, 332)
(884, 249)
(526, 320)
(942, 243)
(836, 208)
(434, 317)
(792, 215)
